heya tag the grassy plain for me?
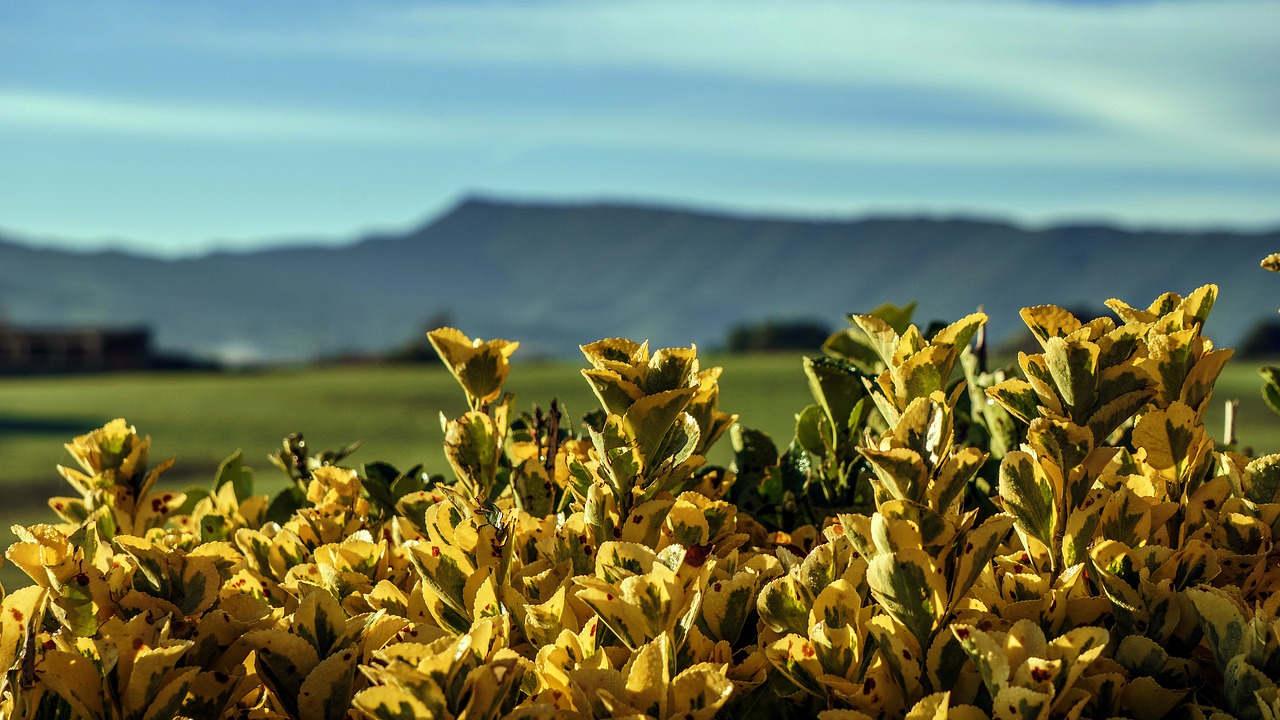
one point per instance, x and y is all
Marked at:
(394, 410)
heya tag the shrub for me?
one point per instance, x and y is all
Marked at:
(1067, 543)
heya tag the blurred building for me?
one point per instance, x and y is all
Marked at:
(71, 350)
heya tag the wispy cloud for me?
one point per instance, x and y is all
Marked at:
(62, 112)
(566, 127)
(1128, 109)
(1183, 73)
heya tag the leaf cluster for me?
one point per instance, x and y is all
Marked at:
(937, 541)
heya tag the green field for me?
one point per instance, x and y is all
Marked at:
(394, 410)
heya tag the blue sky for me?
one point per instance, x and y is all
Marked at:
(180, 127)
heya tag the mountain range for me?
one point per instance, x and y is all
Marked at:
(558, 275)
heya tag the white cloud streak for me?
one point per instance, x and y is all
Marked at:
(1182, 83)
(562, 127)
(1181, 88)
(1200, 72)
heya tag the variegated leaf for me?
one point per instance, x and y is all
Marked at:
(1028, 495)
(913, 591)
(1018, 703)
(784, 605)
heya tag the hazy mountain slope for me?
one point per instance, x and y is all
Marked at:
(557, 276)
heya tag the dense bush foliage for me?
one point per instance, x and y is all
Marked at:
(937, 541)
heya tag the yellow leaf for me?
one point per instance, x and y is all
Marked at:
(698, 692)
(911, 589)
(1049, 321)
(388, 702)
(1018, 703)
(1147, 700)
(20, 615)
(796, 658)
(150, 668)
(326, 693)
(480, 367)
(75, 679)
(171, 696)
(283, 660)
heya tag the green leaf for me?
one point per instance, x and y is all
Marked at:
(837, 387)
(1074, 368)
(671, 369)
(954, 476)
(1271, 386)
(909, 587)
(234, 471)
(897, 317)
(1028, 496)
(852, 345)
(285, 504)
(784, 605)
(814, 431)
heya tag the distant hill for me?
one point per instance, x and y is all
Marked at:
(556, 276)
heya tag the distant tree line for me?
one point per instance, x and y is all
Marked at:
(772, 334)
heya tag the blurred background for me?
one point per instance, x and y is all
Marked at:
(227, 221)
